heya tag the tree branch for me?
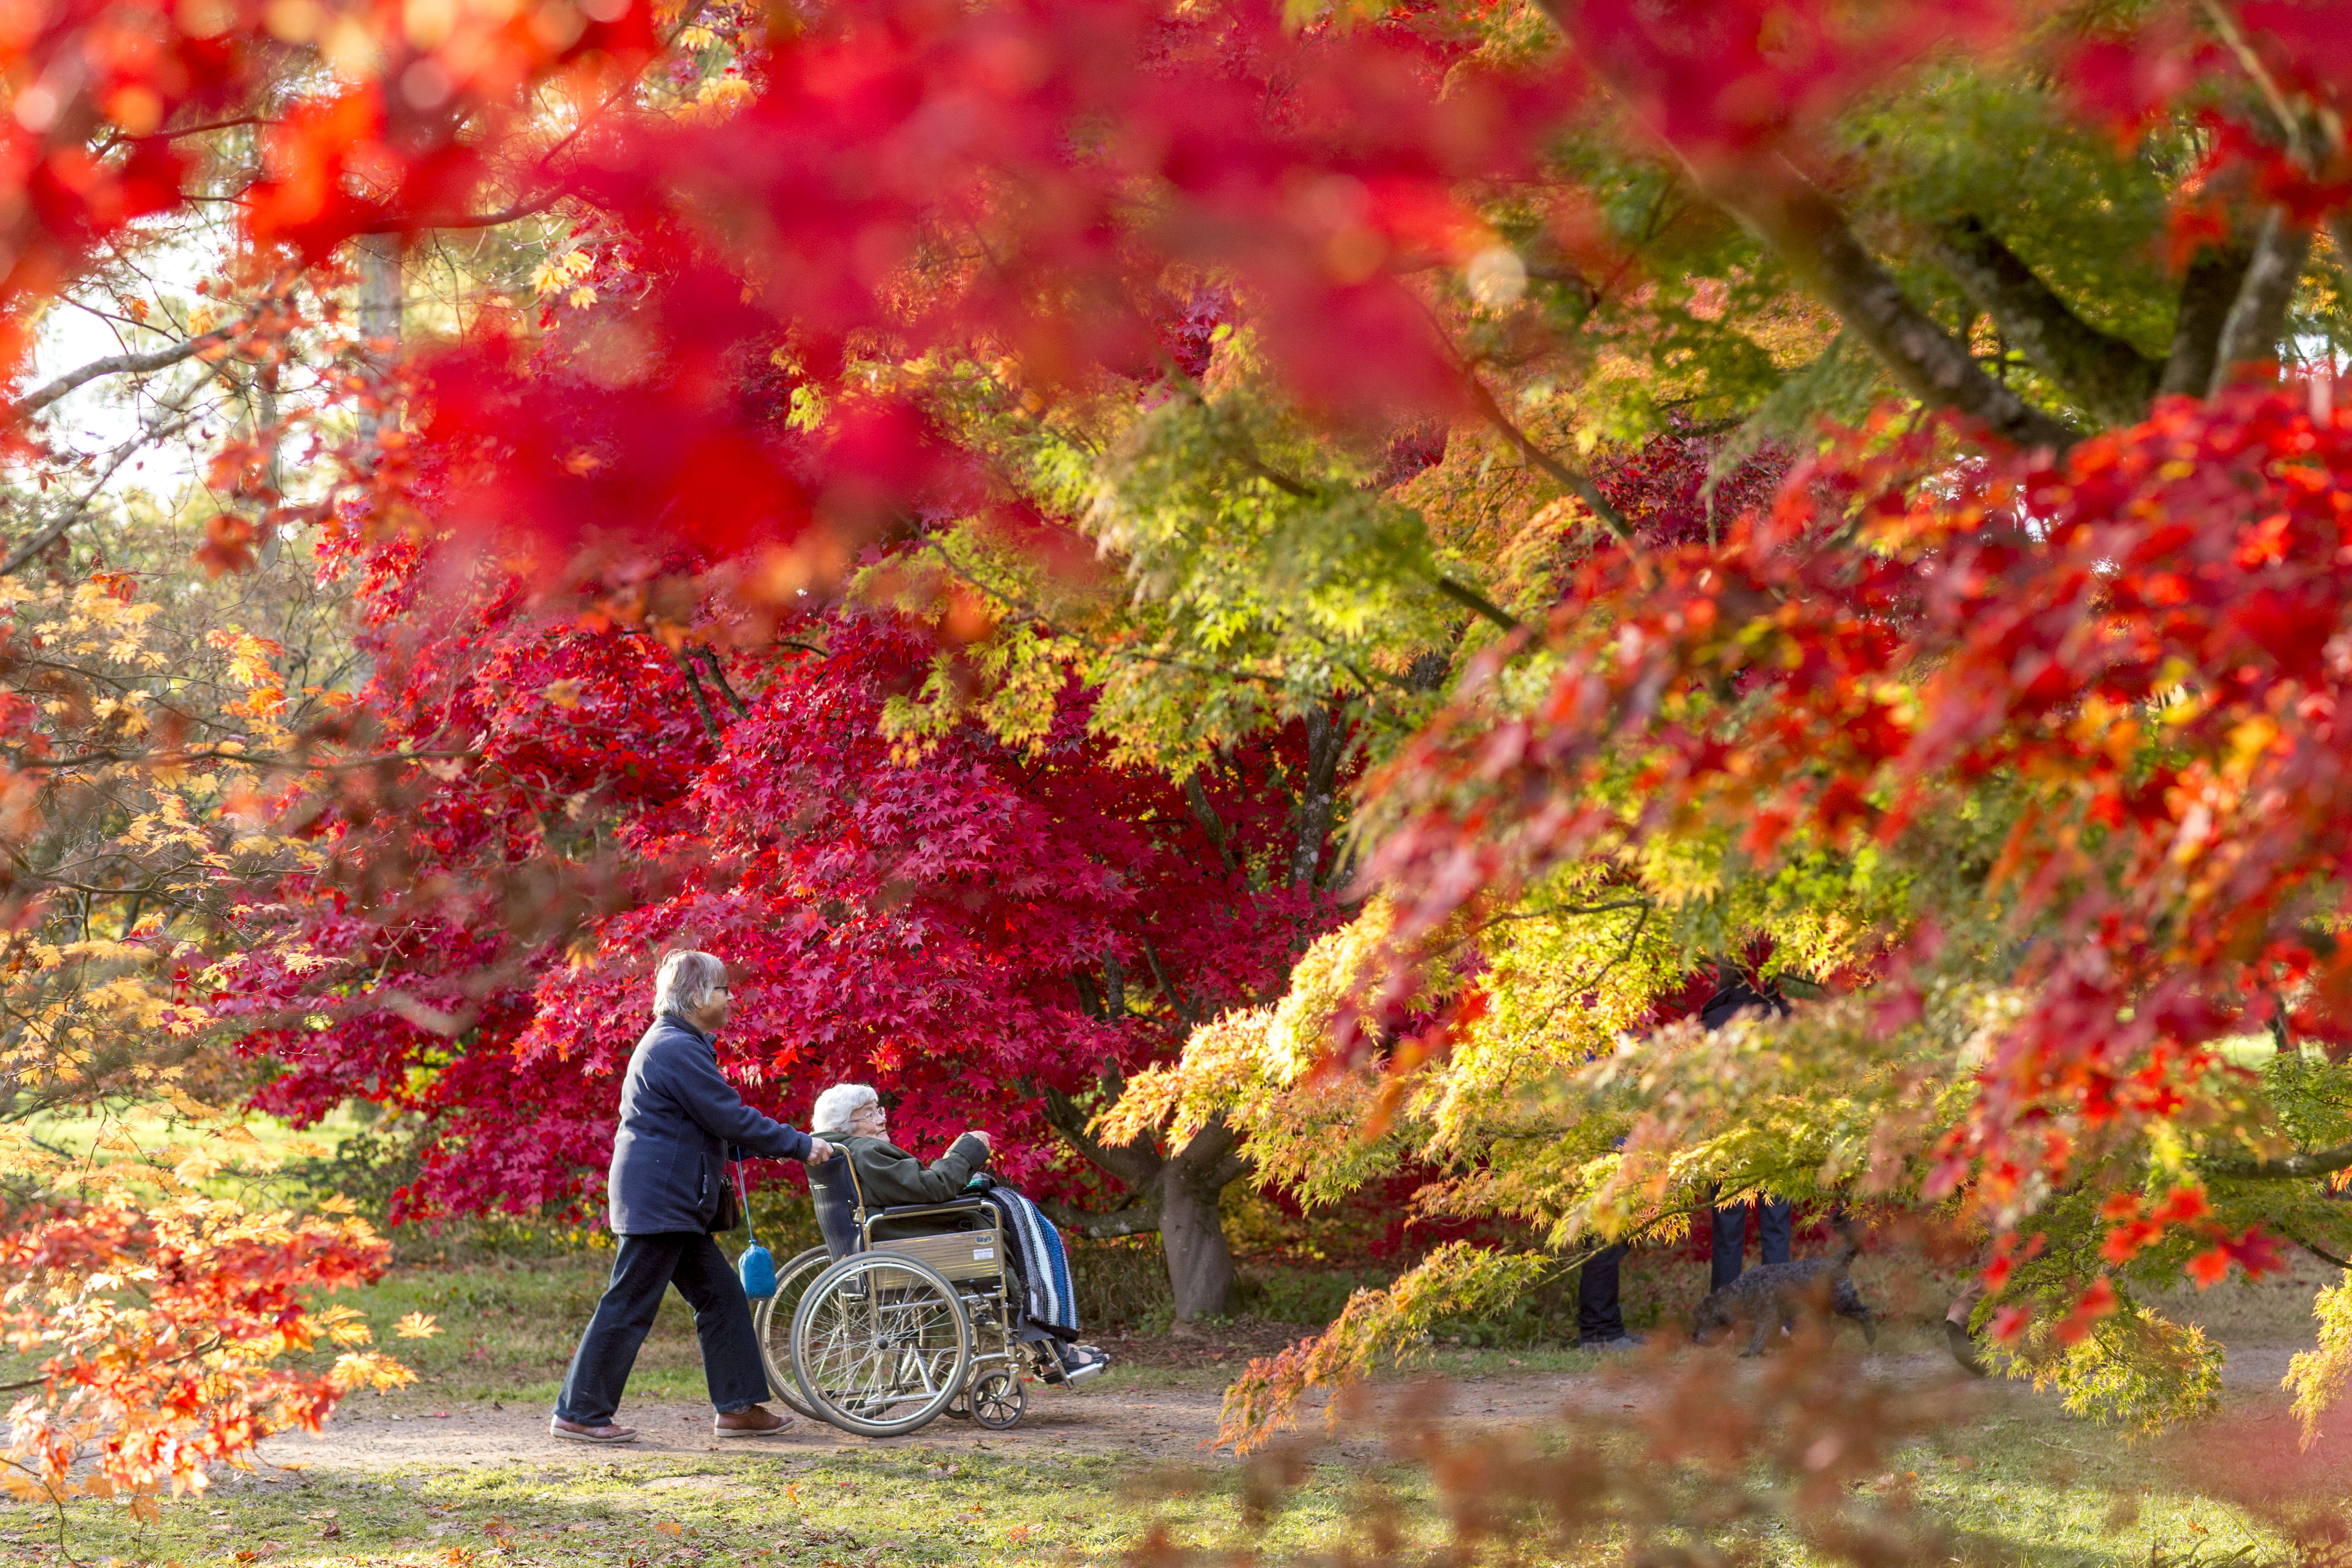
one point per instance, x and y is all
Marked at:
(58, 528)
(118, 365)
(718, 678)
(393, 222)
(1326, 738)
(1470, 598)
(1230, 1168)
(1139, 1220)
(701, 703)
(2286, 1167)
(1568, 479)
(2100, 371)
(1211, 822)
(1804, 228)
(1137, 1165)
(1114, 988)
(2319, 1252)
(1185, 1011)
(1204, 1155)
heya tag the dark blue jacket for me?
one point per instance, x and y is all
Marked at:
(678, 1115)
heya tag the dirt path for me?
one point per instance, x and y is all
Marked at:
(1168, 1423)
(1155, 1423)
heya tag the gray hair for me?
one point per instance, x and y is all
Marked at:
(837, 1107)
(685, 981)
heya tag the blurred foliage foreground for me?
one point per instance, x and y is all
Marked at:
(1810, 1455)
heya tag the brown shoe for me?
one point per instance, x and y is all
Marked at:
(576, 1432)
(753, 1421)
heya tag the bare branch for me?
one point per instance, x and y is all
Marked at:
(391, 221)
(1211, 822)
(64, 522)
(1327, 741)
(116, 364)
(2315, 1249)
(1137, 1165)
(710, 661)
(1185, 1011)
(701, 703)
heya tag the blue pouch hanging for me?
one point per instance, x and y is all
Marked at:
(757, 1267)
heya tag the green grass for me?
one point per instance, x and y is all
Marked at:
(508, 1329)
(914, 1505)
(2015, 1485)
(2011, 1478)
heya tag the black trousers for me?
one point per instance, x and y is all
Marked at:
(1597, 1314)
(1731, 1238)
(647, 1266)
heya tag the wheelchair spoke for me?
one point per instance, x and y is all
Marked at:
(881, 1345)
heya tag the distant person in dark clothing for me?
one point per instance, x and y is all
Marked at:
(678, 1115)
(1735, 997)
(1599, 1318)
(1600, 1321)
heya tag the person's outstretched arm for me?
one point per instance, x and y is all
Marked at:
(891, 1179)
(718, 1110)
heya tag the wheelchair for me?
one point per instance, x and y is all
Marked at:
(910, 1317)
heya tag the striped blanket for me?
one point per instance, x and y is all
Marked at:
(1045, 1267)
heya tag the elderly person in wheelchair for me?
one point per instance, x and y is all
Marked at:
(877, 1175)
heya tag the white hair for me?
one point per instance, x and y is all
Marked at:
(837, 1107)
(685, 981)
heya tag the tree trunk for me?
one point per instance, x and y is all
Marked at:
(383, 290)
(2258, 316)
(1179, 1193)
(1192, 1237)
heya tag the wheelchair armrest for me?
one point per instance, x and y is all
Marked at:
(953, 1206)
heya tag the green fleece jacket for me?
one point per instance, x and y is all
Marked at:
(889, 1176)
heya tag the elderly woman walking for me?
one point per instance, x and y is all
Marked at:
(678, 1115)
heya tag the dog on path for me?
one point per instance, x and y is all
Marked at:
(1775, 1295)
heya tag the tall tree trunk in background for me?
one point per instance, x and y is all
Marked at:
(381, 295)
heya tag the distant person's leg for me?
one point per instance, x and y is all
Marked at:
(1773, 1219)
(1599, 1319)
(1728, 1251)
(731, 1368)
(608, 1349)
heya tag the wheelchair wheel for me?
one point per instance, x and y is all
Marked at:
(998, 1399)
(880, 1344)
(772, 1321)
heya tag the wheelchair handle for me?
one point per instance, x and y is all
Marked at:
(857, 1188)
